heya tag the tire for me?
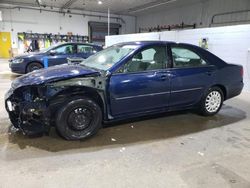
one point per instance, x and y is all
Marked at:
(78, 119)
(14, 121)
(212, 102)
(33, 66)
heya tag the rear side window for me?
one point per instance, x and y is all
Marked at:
(183, 57)
(85, 49)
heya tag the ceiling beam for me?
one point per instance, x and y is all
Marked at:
(68, 4)
(21, 4)
(17, 3)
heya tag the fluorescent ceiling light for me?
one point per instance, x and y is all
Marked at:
(139, 9)
(99, 2)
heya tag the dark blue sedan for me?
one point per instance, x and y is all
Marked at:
(55, 55)
(123, 81)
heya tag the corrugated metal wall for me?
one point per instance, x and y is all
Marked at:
(200, 12)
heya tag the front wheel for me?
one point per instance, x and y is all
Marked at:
(33, 66)
(78, 119)
(212, 102)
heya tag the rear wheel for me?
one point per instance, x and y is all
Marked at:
(212, 102)
(79, 119)
(33, 66)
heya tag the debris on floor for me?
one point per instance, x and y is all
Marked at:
(123, 149)
(201, 154)
(232, 181)
(113, 140)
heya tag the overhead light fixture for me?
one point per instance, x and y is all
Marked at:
(99, 2)
(139, 9)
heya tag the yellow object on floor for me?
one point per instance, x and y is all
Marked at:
(5, 44)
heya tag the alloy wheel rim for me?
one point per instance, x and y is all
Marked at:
(213, 101)
(34, 68)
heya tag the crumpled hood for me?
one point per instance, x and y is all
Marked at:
(51, 74)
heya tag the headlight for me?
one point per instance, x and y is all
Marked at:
(17, 60)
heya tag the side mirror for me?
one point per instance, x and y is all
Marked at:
(52, 52)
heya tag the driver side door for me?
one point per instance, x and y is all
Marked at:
(61, 54)
(141, 84)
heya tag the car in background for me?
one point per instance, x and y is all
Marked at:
(123, 81)
(54, 55)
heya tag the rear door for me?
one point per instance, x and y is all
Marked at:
(191, 75)
(61, 54)
(142, 83)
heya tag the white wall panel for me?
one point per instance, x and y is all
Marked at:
(110, 40)
(169, 36)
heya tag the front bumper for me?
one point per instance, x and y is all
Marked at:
(18, 68)
(23, 114)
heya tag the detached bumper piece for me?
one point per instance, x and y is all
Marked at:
(32, 118)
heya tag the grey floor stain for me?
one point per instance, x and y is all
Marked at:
(231, 177)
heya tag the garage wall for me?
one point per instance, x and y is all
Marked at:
(47, 22)
(231, 43)
(110, 40)
(194, 11)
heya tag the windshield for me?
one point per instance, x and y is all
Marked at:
(105, 59)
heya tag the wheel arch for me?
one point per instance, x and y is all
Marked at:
(31, 63)
(76, 91)
(223, 89)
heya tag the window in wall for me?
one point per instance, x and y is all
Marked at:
(98, 31)
(183, 57)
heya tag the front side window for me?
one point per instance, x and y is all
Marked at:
(153, 58)
(183, 57)
(66, 49)
(85, 49)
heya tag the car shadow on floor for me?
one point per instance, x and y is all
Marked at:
(9, 76)
(136, 131)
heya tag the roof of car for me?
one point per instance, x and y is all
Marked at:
(78, 43)
(146, 42)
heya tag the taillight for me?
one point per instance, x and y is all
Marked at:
(242, 71)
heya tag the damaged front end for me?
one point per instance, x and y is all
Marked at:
(34, 99)
(32, 108)
(28, 109)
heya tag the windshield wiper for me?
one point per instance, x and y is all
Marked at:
(96, 69)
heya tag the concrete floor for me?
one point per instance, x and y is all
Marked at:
(175, 150)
